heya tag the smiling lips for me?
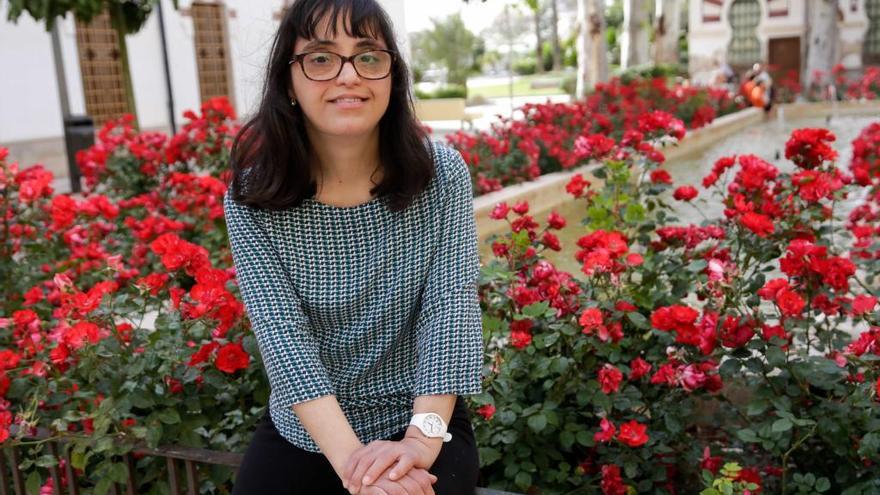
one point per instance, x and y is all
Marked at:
(349, 101)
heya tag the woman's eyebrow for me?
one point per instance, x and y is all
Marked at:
(319, 43)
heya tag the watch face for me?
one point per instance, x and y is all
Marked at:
(432, 424)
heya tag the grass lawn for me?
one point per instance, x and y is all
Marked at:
(522, 86)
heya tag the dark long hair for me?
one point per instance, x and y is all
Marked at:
(272, 148)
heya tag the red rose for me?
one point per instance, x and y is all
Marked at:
(612, 483)
(576, 185)
(809, 148)
(685, 193)
(500, 211)
(203, 353)
(633, 434)
(521, 333)
(606, 431)
(486, 411)
(555, 220)
(772, 288)
(638, 368)
(760, 224)
(660, 176)
(590, 320)
(610, 378)
(551, 241)
(863, 303)
(790, 303)
(231, 358)
(521, 208)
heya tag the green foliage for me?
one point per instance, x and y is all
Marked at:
(446, 91)
(448, 43)
(525, 66)
(127, 16)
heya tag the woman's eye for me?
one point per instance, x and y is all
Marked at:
(368, 58)
(319, 59)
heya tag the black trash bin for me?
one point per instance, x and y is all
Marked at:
(79, 134)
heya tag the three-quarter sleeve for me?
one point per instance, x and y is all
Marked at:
(449, 325)
(290, 353)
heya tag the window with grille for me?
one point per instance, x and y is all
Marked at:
(102, 71)
(744, 48)
(212, 54)
(872, 37)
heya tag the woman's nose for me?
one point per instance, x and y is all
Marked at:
(348, 75)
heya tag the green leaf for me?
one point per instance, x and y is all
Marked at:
(33, 483)
(638, 320)
(103, 486)
(46, 461)
(168, 416)
(78, 459)
(822, 484)
(536, 309)
(118, 472)
(583, 438)
(537, 422)
(775, 356)
(566, 439)
(747, 435)
(488, 455)
(782, 424)
(697, 266)
(523, 480)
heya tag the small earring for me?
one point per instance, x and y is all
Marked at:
(292, 102)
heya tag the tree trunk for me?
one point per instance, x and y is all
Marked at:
(591, 46)
(667, 27)
(822, 42)
(554, 36)
(634, 42)
(539, 47)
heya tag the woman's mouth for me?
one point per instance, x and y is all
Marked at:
(349, 102)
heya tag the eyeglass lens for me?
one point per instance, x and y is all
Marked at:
(327, 65)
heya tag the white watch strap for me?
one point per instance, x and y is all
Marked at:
(417, 422)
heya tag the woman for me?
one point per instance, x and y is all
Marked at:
(355, 249)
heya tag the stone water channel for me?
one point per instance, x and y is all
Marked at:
(765, 139)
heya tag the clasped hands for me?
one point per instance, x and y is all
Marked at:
(385, 467)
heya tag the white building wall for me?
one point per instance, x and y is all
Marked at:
(708, 41)
(29, 103)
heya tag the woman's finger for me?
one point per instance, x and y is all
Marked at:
(403, 466)
(380, 464)
(351, 464)
(411, 485)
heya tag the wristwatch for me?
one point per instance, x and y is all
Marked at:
(431, 425)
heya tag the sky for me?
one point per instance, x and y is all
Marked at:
(477, 15)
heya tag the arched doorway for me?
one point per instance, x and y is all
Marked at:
(872, 37)
(744, 48)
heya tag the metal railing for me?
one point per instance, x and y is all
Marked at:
(190, 457)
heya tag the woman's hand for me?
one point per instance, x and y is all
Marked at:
(416, 482)
(367, 463)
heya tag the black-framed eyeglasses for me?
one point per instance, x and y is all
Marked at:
(324, 65)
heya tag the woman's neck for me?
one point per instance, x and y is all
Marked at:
(346, 162)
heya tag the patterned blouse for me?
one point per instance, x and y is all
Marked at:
(372, 306)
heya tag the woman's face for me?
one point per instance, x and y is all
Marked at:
(349, 105)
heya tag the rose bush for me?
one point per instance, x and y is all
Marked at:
(560, 136)
(725, 354)
(740, 354)
(121, 321)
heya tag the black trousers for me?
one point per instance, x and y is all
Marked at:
(272, 465)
